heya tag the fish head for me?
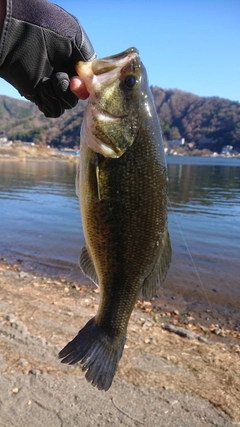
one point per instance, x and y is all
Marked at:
(116, 86)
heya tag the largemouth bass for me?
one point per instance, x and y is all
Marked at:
(123, 202)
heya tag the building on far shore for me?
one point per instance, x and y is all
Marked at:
(4, 142)
(176, 143)
(227, 151)
(173, 144)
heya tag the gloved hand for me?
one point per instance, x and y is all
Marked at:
(40, 46)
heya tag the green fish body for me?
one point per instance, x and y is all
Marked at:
(123, 202)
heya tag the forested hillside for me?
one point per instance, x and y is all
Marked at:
(207, 122)
(195, 118)
(22, 120)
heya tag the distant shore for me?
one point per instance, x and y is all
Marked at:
(28, 152)
(21, 153)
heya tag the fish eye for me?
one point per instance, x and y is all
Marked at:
(130, 81)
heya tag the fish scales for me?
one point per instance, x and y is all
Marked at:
(123, 200)
(130, 226)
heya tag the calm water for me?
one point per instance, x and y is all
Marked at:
(41, 227)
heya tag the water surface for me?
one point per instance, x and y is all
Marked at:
(204, 222)
(40, 226)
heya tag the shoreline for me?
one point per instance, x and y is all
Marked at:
(39, 158)
(164, 308)
(38, 315)
(38, 153)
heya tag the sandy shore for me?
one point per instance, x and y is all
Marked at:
(163, 379)
(36, 153)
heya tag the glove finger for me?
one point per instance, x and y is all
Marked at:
(47, 100)
(60, 83)
(54, 95)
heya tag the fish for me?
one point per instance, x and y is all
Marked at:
(122, 186)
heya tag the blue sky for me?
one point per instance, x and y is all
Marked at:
(191, 45)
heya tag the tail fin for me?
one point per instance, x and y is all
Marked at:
(97, 352)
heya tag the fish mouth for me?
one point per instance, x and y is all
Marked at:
(109, 152)
(109, 63)
(107, 148)
(95, 71)
(104, 115)
(122, 54)
(98, 140)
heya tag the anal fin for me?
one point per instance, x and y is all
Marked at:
(160, 268)
(87, 266)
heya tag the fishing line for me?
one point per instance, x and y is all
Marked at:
(190, 255)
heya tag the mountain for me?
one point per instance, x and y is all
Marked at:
(22, 120)
(208, 122)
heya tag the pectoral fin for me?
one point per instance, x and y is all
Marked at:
(77, 180)
(95, 175)
(160, 268)
(87, 266)
(98, 182)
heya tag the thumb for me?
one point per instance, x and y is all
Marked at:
(78, 87)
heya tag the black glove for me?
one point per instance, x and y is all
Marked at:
(40, 45)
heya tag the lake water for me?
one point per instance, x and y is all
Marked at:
(40, 226)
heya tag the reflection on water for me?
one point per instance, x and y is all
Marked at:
(40, 219)
(204, 222)
(207, 189)
(40, 223)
